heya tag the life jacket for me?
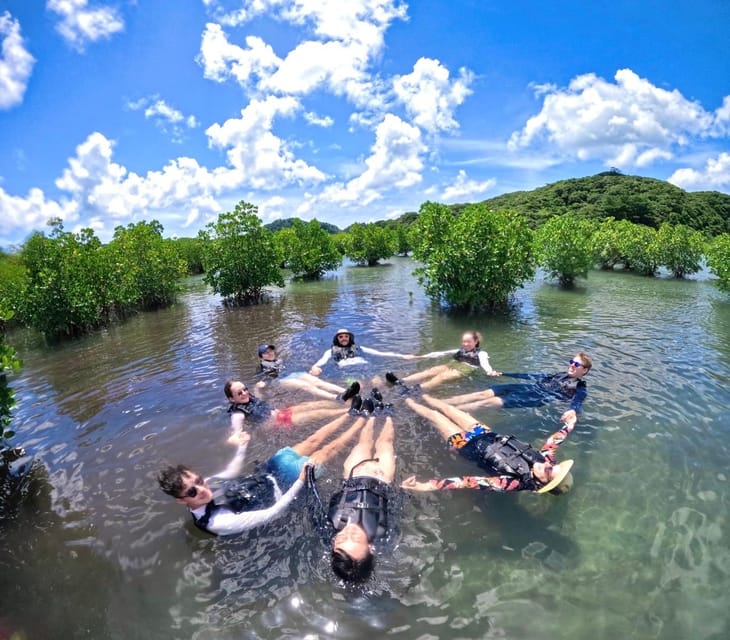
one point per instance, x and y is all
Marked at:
(271, 368)
(361, 501)
(342, 353)
(253, 409)
(238, 495)
(562, 383)
(470, 357)
(503, 456)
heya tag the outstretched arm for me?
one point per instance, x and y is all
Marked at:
(485, 483)
(392, 354)
(233, 470)
(485, 364)
(317, 366)
(555, 440)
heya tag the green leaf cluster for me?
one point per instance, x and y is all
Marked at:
(240, 256)
(308, 250)
(74, 284)
(680, 249)
(718, 260)
(369, 243)
(622, 243)
(475, 260)
(564, 249)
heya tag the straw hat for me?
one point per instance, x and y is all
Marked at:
(559, 472)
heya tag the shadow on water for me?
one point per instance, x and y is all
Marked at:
(637, 550)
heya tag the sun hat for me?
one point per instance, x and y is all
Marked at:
(559, 472)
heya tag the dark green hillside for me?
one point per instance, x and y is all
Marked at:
(286, 223)
(634, 198)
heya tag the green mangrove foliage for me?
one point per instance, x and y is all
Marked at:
(718, 259)
(239, 256)
(475, 260)
(563, 248)
(680, 249)
(308, 250)
(632, 246)
(9, 363)
(74, 284)
(368, 243)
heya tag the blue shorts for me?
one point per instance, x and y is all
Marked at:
(286, 465)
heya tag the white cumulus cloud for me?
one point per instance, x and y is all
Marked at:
(715, 175)
(463, 189)
(81, 24)
(16, 63)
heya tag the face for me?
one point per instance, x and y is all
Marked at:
(239, 393)
(195, 491)
(269, 354)
(353, 541)
(576, 368)
(543, 471)
(468, 342)
(343, 339)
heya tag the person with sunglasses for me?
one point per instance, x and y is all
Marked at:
(360, 520)
(226, 503)
(511, 465)
(568, 386)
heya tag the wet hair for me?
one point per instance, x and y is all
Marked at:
(352, 570)
(227, 387)
(477, 337)
(171, 479)
(586, 360)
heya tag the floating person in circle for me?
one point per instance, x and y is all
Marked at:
(271, 366)
(345, 352)
(568, 386)
(511, 465)
(469, 357)
(360, 520)
(226, 503)
(257, 411)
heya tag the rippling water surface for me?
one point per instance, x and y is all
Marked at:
(639, 549)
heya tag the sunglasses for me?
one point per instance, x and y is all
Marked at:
(575, 363)
(192, 492)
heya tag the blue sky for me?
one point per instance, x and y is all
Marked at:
(345, 110)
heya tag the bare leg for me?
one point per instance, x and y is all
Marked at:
(470, 397)
(300, 417)
(313, 405)
(313, 442)
(446, 427)
(332, 448)
(426, 374)
(465, 420)
(488, 402)
(449, 374)
(362, 450)
(296, 383)
(385, 451)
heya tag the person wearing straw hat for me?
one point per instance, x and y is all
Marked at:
(512, 465)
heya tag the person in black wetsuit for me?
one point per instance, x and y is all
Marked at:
(359, 517)
(546, 387)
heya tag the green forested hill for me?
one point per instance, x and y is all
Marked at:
(634, 198)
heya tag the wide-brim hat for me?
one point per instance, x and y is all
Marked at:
(264, 347)
(559, 472)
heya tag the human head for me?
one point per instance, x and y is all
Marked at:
(343, 338)
(576, 371)
(183, 484)
(553, 478)
(471, 340)
(267, 347)
(352, 557)
(236, 392)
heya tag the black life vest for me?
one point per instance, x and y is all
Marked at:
(470, 357)
(343, 353)
(271, 368)
(562, 383)
(253, 409)
(503, 456)
(238, 495)
(362, 501)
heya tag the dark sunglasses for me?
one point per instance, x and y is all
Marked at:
(192, 492)
(575, 363)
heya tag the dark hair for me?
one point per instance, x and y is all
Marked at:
(352, 570)
(171, 479)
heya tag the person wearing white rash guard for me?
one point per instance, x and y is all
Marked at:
(226, 503)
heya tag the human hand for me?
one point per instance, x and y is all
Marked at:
(240, 438)
(412, 484)
(315, 371)
(260, 384)
(494, 374)
(569, 418)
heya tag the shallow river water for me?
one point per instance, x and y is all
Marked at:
(639, 549)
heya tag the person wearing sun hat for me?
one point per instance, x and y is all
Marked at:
(512, 465)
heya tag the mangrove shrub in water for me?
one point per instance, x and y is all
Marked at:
(308, 250)
(680, 249)
(564, 248)
(474, 260)
(368, 243)
(718, 259)
(239, 255)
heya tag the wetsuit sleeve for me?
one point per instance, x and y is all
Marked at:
(323, 360)
(484, 362)
(233, 470)
(225, 523)
(554, 441)
(528, 376)
(484, 483)
(581, 392)
(375, 352)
